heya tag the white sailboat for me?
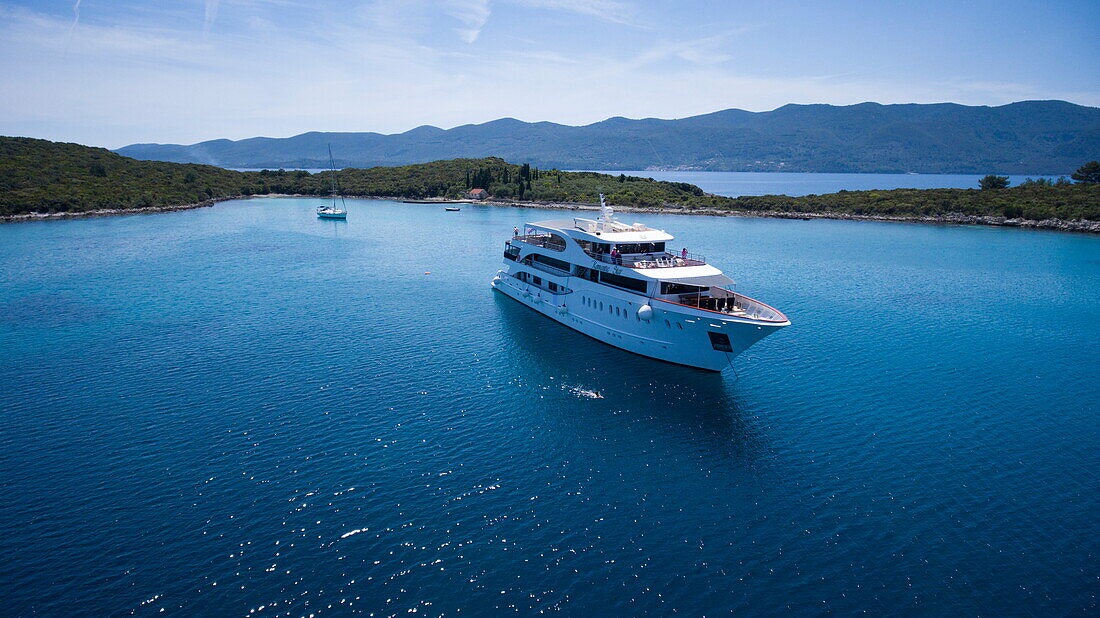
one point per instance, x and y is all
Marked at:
(333, 211)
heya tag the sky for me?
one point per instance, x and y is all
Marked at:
(115, 72)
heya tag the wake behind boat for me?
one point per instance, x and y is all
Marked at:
(333, 211)
(617, 283)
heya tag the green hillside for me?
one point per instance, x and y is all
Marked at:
(42, 176)
(1034, 201)
(48, 177)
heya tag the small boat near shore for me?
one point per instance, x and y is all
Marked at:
(452, 209)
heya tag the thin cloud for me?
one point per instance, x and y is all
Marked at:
(72, 28)
(472, 14)
(210, 16)
(607, 10)
(704, 51)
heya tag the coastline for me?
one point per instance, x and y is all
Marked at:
(1085, 226)
(111, 212)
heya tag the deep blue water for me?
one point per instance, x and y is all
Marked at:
(735, 184)
(243, 407)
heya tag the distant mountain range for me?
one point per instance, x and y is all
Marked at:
(1029, 137)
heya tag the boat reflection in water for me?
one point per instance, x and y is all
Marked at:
(582, 385)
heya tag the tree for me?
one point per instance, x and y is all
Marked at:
(993, 181)
(1088, 173)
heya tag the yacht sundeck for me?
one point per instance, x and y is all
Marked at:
(620, 284)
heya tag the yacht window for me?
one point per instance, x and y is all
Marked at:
(641, 247)
(629, 283)
(720, 341)
(680, 288)
(549, 261)
(537, 280)
(586, 273)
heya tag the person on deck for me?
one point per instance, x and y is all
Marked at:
(684, 253)
(515, 231)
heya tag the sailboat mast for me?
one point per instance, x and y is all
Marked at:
(332, 168)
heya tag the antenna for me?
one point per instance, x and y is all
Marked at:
(607, 214)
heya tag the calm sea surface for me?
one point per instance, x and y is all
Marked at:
(244, 408)
(735, 184)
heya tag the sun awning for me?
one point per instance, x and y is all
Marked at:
(703, 282)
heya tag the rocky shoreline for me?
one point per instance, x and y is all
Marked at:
(946, 219)
(111, 212)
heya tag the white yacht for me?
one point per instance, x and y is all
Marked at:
(620, 284)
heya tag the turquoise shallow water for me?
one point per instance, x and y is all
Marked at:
(242, 407)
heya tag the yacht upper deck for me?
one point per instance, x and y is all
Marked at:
(603, 231)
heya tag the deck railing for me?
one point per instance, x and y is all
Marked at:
(541, 240)
(650, 260)
(721, 300)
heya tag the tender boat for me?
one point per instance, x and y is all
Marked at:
(451, 209)
(619, 284)
(333, 211)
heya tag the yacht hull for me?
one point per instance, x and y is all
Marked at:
(672, 333)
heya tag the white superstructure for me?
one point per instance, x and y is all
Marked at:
(623, 285)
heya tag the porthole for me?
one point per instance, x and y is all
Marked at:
(680, 326)
(667, 324)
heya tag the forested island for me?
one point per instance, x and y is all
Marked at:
(41, 178)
